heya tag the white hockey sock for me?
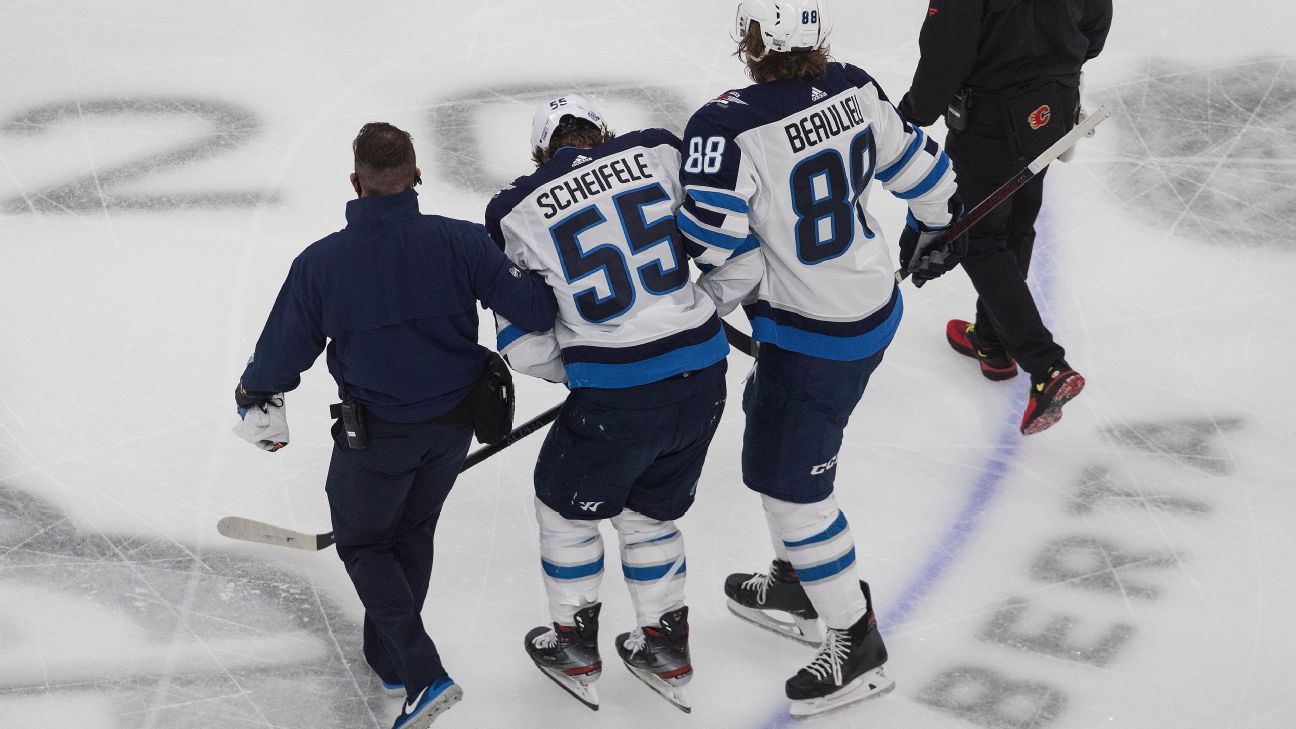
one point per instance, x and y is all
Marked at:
(776, 537)
(652, 558)
(571, 556)
(819, 545)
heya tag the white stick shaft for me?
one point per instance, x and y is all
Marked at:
(1068, 141)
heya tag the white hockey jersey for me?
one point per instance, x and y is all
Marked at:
(599, 225)
(777, 178)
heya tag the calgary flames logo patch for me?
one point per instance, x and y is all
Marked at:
(1040, 117)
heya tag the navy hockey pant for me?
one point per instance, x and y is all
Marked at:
(640, 448)
(385, 501)
(797, 409)
(1000, 246)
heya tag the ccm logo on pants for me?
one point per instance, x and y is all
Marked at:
(823, 467)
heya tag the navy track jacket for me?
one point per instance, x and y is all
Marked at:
(395, 294)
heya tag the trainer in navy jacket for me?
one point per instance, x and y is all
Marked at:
(394, 295)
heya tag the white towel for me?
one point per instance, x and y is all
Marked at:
(265, 426)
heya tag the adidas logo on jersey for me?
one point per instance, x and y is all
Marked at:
(580, 160)
(817, 95)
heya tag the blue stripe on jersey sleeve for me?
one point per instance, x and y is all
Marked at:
(710, 237)
(653, 369)
(711, 198)
(914, 146)
(933, 177)
(511, 334)
(704, 215)
(751, 244)
(827, 346)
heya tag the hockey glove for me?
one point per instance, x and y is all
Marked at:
(263, 421)
(905, 108)
(925, 253)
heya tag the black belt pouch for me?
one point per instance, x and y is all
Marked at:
(492, 402)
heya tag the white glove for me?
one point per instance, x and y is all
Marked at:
(265, 426)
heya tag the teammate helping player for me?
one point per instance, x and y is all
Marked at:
(643, 352)
(776, 178)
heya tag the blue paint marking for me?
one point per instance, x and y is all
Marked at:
(969, 519)
(956, 536)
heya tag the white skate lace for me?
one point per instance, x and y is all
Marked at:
(760, 583)
(832, 654)
(546, 640)
(636, 641)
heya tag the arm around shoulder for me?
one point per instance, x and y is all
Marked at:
(503, 287)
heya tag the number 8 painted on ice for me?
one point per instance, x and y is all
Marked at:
(705, 157)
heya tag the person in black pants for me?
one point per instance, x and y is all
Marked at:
(1006, 75)
(394, 295)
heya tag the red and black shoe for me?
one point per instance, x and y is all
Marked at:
(995, 363)
(1047, 398)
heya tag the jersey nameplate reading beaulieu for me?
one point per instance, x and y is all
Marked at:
(824, 124)
(593, 182)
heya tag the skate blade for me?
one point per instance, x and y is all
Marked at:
(870, 685)
(674, 693)
(801, 630)
(585, 693)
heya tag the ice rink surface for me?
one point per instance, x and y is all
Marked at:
(161, 163)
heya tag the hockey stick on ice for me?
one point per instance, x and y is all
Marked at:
(1009, 188)
(248, 530)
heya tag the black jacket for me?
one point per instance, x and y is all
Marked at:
(989, 45)
(395, 294)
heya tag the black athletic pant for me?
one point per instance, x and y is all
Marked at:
(999, 249)
(385, 502)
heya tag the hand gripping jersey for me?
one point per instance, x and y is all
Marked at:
(777, 178)
(599, 225)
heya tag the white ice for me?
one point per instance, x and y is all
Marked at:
(1134, 567)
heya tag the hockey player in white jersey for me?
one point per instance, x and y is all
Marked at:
(777, 178)
(643, 352)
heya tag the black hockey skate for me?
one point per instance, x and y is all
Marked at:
(848, 668)
(762, 598)
(568, 654)
(659, 656)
